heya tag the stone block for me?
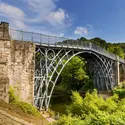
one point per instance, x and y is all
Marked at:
(7, 44)
(4, 31)
(3, 60)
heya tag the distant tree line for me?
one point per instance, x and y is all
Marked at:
(116, 48)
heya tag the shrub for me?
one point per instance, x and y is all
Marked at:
(12, 97)
(27, 108)
(120, 92)
(77, 103)
(69, 120)
(94, 110)
(24, 106)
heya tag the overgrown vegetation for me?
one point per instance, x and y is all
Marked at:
(74, 75)
(120, 90)
(23, 106)
(12, 97)
(94, 110)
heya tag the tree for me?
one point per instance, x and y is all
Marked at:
(116, 50)
(74, 74)
(83, 39)
(94, 110)
(99, 42)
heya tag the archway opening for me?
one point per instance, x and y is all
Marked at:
(82, 73)
(52, 63)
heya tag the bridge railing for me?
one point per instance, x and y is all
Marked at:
(35, 37)
(43, 39)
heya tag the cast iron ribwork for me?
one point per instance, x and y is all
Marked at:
(51, 60)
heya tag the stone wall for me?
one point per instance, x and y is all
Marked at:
(16, 66)
(4, 61)
(4, 31)
(7, 119)
(105, 94)
(17, 69)
(21, 69)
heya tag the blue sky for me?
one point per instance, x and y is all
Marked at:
(68, 18)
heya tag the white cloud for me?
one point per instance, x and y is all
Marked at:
(15, 15)
(61, 35)
(18, 24)
(42, 6)
(89, 26)
(11, 11)
(58, 17)
(47, 11)
(42, 12)
(81, 31)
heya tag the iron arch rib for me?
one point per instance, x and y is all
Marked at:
(49, 69)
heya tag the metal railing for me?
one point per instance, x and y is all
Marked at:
(46, 40)
(34, 37)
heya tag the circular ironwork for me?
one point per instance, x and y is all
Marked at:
(50, 54)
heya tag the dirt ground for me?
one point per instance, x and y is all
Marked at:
(15, 111)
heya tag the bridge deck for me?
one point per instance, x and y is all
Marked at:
(59, 42)
(85, 46)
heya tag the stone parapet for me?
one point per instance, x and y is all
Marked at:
(4, 31)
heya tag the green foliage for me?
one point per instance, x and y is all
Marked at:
(83, 39)
(116, 50)
(122, 84)
(51, 113)
(76, 105)
(94, 110)
(27, 108)
(74, 75)
(99, 42)
(24, 106)
(88, 85)
(69, 120)
(12, 97)
(122, 45)
(120, 92)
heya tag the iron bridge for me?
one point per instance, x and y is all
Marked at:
(53, 53)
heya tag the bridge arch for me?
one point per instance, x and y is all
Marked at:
(53, 61)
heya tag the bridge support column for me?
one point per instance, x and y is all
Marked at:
(117, 71)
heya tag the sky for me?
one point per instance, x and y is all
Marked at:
(67, 18)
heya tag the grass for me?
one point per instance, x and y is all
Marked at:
(16, 111)
(20, 109)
